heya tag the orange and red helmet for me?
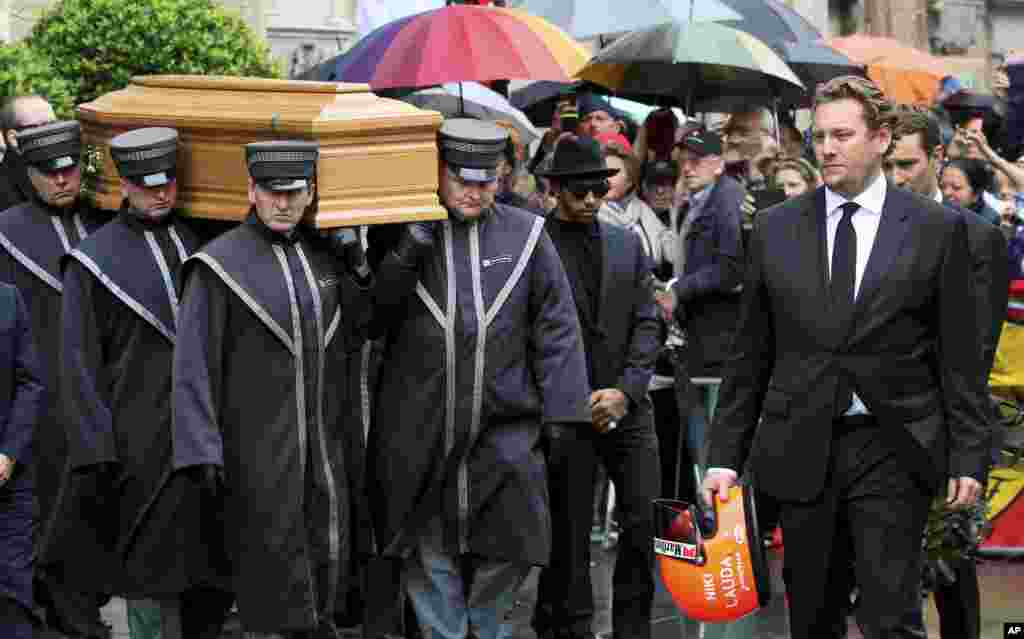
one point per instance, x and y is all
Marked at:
(713, 566)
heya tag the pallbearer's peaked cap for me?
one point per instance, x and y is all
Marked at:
(53, 146)
(472, 148)
(146, 156)
(282, 165)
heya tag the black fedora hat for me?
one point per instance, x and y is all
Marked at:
(577, 157)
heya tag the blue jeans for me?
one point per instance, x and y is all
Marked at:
(437, 585)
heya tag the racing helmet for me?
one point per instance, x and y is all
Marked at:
(713, 564)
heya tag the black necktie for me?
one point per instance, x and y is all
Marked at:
(841, 292)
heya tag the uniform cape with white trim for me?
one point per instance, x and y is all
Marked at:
(274, 412)
(117, 343)
(479, 353)
(30, 252)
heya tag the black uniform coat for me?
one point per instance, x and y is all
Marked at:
(117, 341)
(486, 350)
(33, 238)
(912, 350)
(260, 389)
(21, 395)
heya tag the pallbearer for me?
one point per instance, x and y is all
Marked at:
(261, 398)
(118, 333)
(34, 235)
(482, 354)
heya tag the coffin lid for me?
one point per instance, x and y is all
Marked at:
(378, 157)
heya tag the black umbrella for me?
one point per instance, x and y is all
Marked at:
(539, 99)
(710, 67)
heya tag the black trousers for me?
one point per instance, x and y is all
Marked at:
(671, 423)
(959, 603)
(565, 600)
(871, 515)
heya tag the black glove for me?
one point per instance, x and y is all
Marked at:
(416, 240)
(345, 244)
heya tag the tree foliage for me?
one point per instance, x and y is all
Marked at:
(98, 45)
(24, 71)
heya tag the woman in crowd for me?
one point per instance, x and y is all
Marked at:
(963, 181)
(796, 176)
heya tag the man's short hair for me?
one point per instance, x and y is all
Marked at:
(9, 112)
(916, 119)
(878, 110)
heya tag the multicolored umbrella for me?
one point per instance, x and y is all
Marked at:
(707, 66)
(459, 43)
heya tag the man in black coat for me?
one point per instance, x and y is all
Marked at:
(913, 164)
(482, 351)
(19, 113)
(263, 404)
(610, 274)
(853, 387)
(118, 331)
(704, 294)
(21, 399)
(34, 236)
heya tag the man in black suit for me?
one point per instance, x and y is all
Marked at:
(21, 397)
(913, 164)
(858, 343)
(609, 274)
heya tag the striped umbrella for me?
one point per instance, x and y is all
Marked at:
(708, 66)
(459, 43)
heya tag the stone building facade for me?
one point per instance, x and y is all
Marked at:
(301, 32)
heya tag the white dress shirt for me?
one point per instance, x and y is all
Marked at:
(865, 222)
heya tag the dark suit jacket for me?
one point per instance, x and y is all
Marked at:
(990, 265)
(707, 288)
(21, 388)
(628, 333)
(912, 348)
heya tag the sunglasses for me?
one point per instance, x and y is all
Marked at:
(579, 189)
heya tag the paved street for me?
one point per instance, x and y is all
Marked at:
(1002, 585)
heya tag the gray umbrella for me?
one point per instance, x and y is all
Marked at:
(589, 18)
(475, 101)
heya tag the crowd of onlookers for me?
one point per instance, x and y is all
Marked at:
(977, 162)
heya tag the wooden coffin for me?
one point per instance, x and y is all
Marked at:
(378, 157)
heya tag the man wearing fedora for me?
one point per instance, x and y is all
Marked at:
(482, 354)
(609, 274)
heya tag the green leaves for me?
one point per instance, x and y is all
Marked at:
(96, 46)
(24, 70)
